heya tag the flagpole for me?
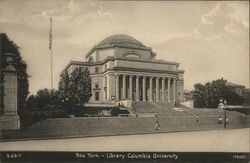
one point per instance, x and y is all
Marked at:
(51, 53)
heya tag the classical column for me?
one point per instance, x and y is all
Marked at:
(144, 88)
(169, 80)
(150, 88)
(137, 88)
(174, 89)
(157, 89)
(124, 87)
(131, 87)
(163, 89)
(117, 87)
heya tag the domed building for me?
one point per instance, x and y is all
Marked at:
(122, 68)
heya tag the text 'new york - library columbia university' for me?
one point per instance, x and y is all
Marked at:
(122, 68)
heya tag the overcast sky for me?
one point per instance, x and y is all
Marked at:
(209, 39)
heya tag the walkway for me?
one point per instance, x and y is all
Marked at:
(234, 140)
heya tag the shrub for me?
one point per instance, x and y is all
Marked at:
(116, 112)
(29, 117)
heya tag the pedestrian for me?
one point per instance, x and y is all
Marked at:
(197, 117)
(157, 124)
(227, 120)
(219, 120)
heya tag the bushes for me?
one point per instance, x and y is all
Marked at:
(240, 110)
(116, 112)
(30, 116)
(209, 94)
(55, 113)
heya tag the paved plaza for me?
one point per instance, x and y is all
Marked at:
(233, 140)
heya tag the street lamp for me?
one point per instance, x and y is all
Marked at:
(225, 113)
(221, 105)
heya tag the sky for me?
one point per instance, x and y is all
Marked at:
(210, 39)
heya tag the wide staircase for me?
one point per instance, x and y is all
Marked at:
(171, 119)
(169, 109)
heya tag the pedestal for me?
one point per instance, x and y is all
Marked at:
(9, 118)
(9, 122)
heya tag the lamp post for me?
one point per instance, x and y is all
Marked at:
(225, 113)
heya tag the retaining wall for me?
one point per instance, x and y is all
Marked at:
(101, 126)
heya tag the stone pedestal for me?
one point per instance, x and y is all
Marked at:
(9, 122)
(9, 118)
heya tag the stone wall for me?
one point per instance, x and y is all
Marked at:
(95, 126)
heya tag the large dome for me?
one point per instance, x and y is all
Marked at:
(120, 39)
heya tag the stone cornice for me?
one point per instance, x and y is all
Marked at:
(146, 75)
(146, 61)
(181, 71)
(135, 73)
(110, 58)
(143, 70)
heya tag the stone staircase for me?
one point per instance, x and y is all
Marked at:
(152, 107)
(169, 109)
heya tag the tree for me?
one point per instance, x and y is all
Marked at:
(47, 97)
(64, 85)
(209, 94)
(43, 99)
(31, 103)
(199, 95)
(76, 87)
(8, 46)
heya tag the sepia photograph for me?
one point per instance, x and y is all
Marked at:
(124, 81)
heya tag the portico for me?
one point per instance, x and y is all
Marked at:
(160, 88)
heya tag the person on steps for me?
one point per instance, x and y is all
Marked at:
(157, 124)
(197, 117)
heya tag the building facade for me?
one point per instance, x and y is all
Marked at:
(122, 68)
(236, 88)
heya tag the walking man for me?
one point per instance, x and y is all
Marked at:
(219, 120)
(197, 117)
(157, 124)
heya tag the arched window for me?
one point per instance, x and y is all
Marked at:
(133, 56)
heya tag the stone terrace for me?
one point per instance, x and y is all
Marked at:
(101, 126)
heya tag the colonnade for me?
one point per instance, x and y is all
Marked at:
(145, 88)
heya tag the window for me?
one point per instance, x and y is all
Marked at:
(96, 86)
(105, 67)
(91, 59)
(96, 69)
(105, 93)
(97, 96)
(80, 69)
(105, 82)
(133, 56)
